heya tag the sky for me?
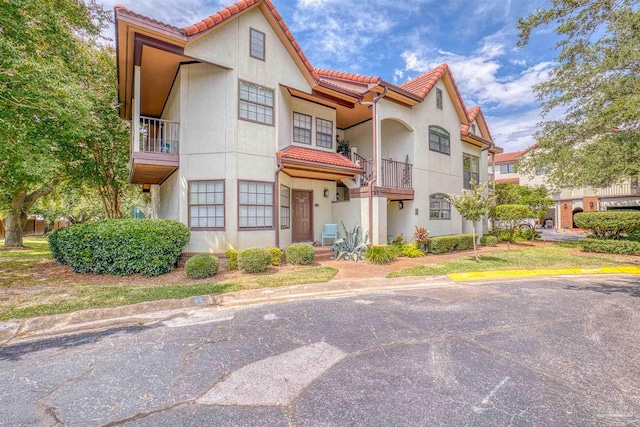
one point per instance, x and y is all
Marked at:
(401, 39)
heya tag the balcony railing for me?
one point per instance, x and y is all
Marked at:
(624, 189)
(396, 174)
(365, 177)
(159, 136)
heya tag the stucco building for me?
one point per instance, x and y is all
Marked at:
(236, 134)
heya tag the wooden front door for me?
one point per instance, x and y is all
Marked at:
(302, 217)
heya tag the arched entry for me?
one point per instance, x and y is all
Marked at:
(575, 211)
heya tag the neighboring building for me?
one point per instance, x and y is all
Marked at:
(569, 201)
(235, 134)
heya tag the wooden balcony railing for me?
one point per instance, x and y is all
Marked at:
(159, 136)
(396, 174)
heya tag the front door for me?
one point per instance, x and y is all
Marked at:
(302, 217)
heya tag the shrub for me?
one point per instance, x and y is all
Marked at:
(232, 259)
(149, 247)
(609, 224)
(276, 256)
(634, 236)
(351, 246)
(421, 235)
(489, 240)
(254, 260)
(625, 247)
(381, 254)
(201, 266)
(300, 254)
(455, 242)
(410, 250)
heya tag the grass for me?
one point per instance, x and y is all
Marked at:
(64, 297)
(540, 257)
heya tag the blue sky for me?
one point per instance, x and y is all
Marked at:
(400, 39)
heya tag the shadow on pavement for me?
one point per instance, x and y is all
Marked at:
(629, 288)
(15, 352)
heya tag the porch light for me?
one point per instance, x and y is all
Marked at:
(401, 204)
(565, 206)
(146, 188)
(591, 205)
(326, 192)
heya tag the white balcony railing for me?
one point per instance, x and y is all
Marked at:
(624, 189)
(158, 136)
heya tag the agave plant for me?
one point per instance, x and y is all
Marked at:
(352, 246)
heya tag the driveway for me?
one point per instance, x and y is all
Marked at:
(552, 352)
(555, 236)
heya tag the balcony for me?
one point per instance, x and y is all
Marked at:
(620, 190)
(155, 149)
(395, 180)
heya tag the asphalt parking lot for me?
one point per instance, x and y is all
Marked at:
(545, 352)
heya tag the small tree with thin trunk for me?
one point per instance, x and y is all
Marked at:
(472, 205)
(511, 217)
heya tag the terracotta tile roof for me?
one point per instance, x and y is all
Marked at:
(348, 76)
(472, 113)
(230, 11)
(508, 181)
(316, 156)
(121, 8)
(424, 83)
(507, 157)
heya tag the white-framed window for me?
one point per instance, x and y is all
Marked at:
(439, 140)
(206, 205)
(302, 128)
(324, 133)
(257, 44)
(439, 98)
(285, 207)
(256, 103)
(255, 207)
(439, 207)
(508, 168)
(471, 170)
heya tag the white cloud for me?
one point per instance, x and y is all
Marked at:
(397, 75)
(479, 77)
(520, 62)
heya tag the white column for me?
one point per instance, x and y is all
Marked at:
(135, 116)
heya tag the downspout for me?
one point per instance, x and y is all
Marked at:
(374, 165)
(276, 202)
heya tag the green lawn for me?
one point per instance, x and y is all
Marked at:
(539, 257)
(18, 299)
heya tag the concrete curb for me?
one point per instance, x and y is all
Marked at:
(150, 312)
(518, 274)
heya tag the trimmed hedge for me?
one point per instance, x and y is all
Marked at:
(254, 260)
(381, 254)
(609, 224)
(276, 256)
(201, 266)
(232, 259)
(300, 254)
(121, 247)
(489, 240)
(624, 247)
(451, 243)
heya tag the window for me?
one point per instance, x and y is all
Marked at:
(324, 133)
(255, 209)
(508, 168)
(256, 103)
(285, 207)
(439, 98)
(471, 170)
(257, 44)
(439, 140)
(206, 205)
(473, 128)
(439, 207)
(301, 128)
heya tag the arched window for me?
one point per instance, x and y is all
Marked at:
(439, 140)
(439, 207)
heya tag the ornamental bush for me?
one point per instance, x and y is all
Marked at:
(409, 250)
(381, 254)
(121, 247)
(609, 224)
(276, 256)
(489, 240)
(201, 266)
(454, 242)
(300, 254)
(232, 259)
(624, 247)
(254, 260)
(510, 217)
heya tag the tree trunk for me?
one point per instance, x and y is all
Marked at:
(13, 229)
(18, 213)
(475, 244)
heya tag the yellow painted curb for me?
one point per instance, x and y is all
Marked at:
(512, 274)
